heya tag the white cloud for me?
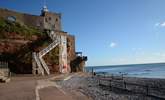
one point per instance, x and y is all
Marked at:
(162, 24)
(113, 44)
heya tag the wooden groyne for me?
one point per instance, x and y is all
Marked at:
(147, 87)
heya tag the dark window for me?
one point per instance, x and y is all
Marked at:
(49, 18)
(56, 20)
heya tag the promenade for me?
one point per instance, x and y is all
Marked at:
(38, 88)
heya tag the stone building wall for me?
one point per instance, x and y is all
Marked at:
(71, 47)
(35, 21)
(24, 19)
(52, 21)
(47, 20)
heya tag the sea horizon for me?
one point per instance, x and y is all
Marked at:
(149, 70)
(125, 64)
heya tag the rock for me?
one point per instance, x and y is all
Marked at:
(4, 79)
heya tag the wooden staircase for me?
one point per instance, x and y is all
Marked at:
(39, 65)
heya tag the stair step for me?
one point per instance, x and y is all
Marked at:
(38, 56)
(38, 63)
(48, 48)
(45, 66)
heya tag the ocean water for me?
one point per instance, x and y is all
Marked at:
(135, 70)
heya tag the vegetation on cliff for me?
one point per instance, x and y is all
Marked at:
(14, 27)
(17, 42)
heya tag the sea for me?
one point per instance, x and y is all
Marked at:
(156, 70)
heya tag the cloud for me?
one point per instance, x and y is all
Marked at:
(113, 44)
(162, 24)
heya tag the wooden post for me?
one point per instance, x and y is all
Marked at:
(125, 85)
(122, 76)
(110, 85)
(112, 76)
(99, 81)
(147, 90)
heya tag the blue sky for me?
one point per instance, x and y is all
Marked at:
(108, 31)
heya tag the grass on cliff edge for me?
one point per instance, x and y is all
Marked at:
(24, 56)
(14, 27)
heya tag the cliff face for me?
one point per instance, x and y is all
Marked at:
(21, 34)
(17, 44)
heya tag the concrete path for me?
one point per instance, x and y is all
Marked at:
(47, 89)
(20, 88)
(38, 88)
(53, 93)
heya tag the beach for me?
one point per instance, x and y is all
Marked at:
(90, 86)
(81, 86)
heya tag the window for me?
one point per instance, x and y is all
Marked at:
(49, 18)
(56, 20)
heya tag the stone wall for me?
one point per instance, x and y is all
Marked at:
(52, 21)
(24, 19)
(48, 20)
(71, 47)
(35, 21)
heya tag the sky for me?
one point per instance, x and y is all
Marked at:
(109, 32)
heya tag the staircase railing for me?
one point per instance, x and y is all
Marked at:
(46, 68)
(39, 60)
(48, 48)
(36, 58)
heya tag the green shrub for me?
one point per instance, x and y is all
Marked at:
(23, 30)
